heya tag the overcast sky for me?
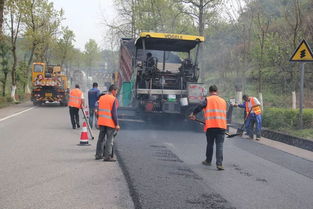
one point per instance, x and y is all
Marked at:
(85, 18)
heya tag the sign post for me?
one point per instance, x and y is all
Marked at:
(302, 54)
(301, 96)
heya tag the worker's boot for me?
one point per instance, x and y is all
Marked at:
(98, 157)
(220, 167)
(205, 162)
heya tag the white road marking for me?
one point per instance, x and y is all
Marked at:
(16, 114)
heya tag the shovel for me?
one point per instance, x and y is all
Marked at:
(226, 133)
(240, 130)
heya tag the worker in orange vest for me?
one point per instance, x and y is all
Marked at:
(253, 114)
(214, 109)
(108, 124)
(76, 102)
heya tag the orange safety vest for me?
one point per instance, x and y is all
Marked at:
(104, 113)
(75, 98)
(215, 113)
(256, 110)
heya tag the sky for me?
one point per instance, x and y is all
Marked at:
(85, 18)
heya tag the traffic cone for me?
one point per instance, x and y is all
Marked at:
(84, 135)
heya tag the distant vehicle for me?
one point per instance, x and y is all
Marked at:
(159, 73)
(49, 84)
(79, 77)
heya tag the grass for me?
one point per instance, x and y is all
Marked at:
(7, 101)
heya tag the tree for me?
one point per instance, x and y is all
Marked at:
(135, 16)
(1, 17)
(262, 24)
(42, 23)
(91, 54)
(4, 51)
(202, 11)
(65, 45)
(15, 12)
(294, 21)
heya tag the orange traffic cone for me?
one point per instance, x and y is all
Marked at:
(84, 135)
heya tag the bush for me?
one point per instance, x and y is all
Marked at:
(282, 118)
(9, 99)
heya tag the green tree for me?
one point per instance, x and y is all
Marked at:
(4, 57)
(134, 16)
(42, 25)
(1, 17)
(92, 55)
(65, 45)
(15, 13)
(202, 12)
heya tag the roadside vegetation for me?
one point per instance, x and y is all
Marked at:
(247, 48)
(34, 31)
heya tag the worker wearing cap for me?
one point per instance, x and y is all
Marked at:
(76, 101)
(253, 114)
(214, 108)
(108, 124)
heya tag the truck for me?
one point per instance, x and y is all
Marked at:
(80, 77)
(49, 84)
(159, 73)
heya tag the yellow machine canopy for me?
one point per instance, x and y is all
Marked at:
(167, 42)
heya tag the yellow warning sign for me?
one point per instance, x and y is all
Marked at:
(303, 53)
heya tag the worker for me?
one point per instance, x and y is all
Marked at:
(93, 95)
(253, 116)
(76, 102)
(214, 108)
(108, 124)
(150, 61)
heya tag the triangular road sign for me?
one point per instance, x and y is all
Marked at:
(303, 53)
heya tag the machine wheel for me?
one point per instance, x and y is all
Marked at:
(36, 103)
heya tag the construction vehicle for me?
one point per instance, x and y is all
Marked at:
(80, 77)
(49, 84)
(166, 80)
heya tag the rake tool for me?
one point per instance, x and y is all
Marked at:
(226, 133)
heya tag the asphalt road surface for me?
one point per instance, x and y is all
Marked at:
(42, 167)
(162, 162)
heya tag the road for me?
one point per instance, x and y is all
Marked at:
(163, 162)
(159, 166)
(42, 167)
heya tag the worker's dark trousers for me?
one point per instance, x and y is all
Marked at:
(108, 143)
(91, 116)
(215, 135)
(74, 116)
(254, 121)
